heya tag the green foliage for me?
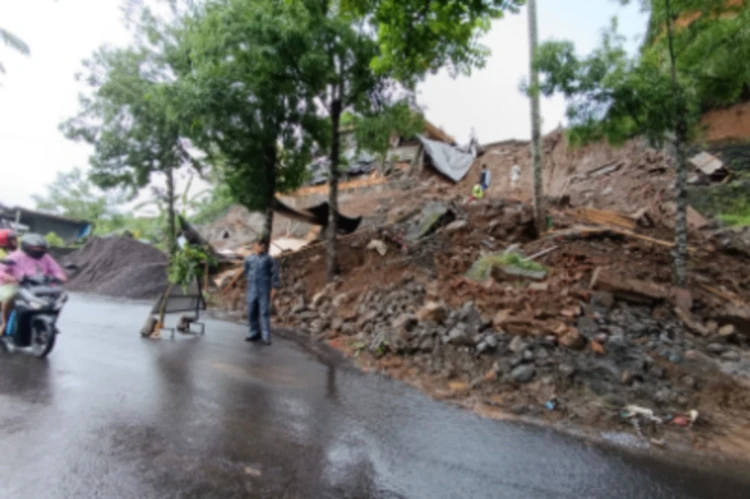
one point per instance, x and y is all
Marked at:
(518, 261)
(10, 40)
(131, 118)
(73, 195)
(417, 37)
(709, 49)
(730, 202)
(214, 205)
(14, 42)
(384, 347)
(373, 131)
(616, 97)
(482, 268)
(247, 93)
(132, 115)
(188, 264)
(736, 219)
(54, 240)
(611, 95)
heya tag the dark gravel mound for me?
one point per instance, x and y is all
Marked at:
(119, 266)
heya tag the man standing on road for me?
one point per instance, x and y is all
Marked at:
(262, 284)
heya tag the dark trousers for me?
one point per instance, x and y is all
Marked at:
(259, 315)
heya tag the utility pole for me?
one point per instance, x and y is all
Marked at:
(536, 134)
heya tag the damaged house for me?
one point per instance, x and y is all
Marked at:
(301, 215)
(433, 148)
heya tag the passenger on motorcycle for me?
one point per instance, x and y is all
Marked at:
(8, 244)
(32, 259)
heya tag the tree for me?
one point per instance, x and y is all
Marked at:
(659, 93)
(133, 121)
(10, 40)
(207, 207)
(536, 125)
(417, 37)
(73, 195)
(349, 86)
(249, 94)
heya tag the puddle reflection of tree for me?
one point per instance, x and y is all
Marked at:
(332, 390)
(175, 365)
(27, 378)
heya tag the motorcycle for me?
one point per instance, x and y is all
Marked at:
(32, 325)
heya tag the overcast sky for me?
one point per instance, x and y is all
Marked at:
(40, 91)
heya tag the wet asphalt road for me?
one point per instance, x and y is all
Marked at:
(110, 415)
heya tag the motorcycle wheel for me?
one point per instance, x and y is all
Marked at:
(42, 340)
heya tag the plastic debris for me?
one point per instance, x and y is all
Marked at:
(693, 416)
(680, 421)
(379, 246)
(551, 404)
(632, 411)
(659, 442)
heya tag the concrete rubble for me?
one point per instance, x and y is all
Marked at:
(576, 327)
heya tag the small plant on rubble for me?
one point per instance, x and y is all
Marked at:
(189, 264)
(482, 269)
(383, 348)
(358, 346)
(518, 261)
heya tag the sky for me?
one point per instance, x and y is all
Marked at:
(40, 91)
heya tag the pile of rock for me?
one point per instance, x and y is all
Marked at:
(622, 353)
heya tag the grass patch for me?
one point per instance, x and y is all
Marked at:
(736, 213)
(482, 268)
(516, 260)
(735, 220)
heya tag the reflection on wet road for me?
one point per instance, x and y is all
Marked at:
(113, 416)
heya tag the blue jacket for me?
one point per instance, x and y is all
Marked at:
(262, 275)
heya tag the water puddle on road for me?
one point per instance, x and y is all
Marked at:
(265, 374)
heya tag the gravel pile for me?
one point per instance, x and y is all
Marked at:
(121, 267)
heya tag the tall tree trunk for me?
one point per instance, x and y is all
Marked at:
(270, 159)
(681, 135)
(171, 223)
(333, 185)
(536, 119)
(680, 222)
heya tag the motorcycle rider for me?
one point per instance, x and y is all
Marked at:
(32, 259)
(8, 244)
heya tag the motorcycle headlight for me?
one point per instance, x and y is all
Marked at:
(36, 305)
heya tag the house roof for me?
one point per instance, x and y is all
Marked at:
(10, 213)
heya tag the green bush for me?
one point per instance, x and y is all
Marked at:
(54, 240)
(189, 264)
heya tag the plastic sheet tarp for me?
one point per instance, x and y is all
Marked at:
(449, 160)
